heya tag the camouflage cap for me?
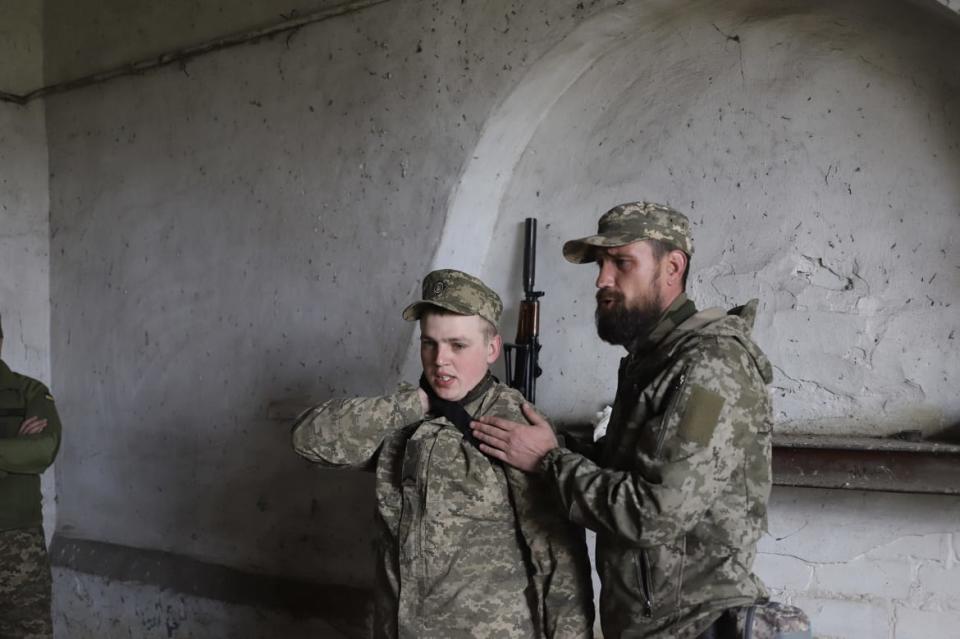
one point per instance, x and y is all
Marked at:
(458, 292)
(632, 222)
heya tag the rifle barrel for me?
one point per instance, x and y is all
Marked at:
(529, 255)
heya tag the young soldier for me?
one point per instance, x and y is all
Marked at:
(29, 439)
(677, 489)
(468, 548)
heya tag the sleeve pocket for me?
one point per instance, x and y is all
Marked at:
(700, 415)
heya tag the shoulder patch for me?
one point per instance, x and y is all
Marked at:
(700, 415)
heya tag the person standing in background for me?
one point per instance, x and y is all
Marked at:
(29, 441)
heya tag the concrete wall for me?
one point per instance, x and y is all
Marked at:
(21, 46)
(818, 155)
(87, 37)
(866, 564)
(25, 255)
(160, 613)
(244, 230)
(817, 149)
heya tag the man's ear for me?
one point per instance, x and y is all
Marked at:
(494, 346)
(676, 266)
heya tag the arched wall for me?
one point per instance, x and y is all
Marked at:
(245, 228)
(814, 147)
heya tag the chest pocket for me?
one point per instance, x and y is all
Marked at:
(649, 413)
(463, 482)
(13, 410)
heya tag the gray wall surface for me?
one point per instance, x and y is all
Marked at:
(24, 240)
(25, 255)
(818, 156)
(244, 229)
(84, 37)
(21, 46)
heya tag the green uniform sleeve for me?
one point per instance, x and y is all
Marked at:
(348, 432)
(33, 454)
(702, 445)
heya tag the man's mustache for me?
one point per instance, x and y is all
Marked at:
(608, 296)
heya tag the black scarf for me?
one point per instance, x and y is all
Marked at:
(455, 411)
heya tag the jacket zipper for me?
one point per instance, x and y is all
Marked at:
(644, 568)
(424, 473)
(677, 391)
(643, 575)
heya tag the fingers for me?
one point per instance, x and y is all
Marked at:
(496, 453)
(532, 415)
(32, 426)
(490, 434)
(498, 422)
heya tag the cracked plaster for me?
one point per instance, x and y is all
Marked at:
(816, 167)
(776, 132)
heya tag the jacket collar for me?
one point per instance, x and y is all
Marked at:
(679, 311)
(6, 375)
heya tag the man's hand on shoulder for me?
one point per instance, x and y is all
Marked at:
(32, 426)
(520, 445)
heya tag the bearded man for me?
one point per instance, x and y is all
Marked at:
(677, 489)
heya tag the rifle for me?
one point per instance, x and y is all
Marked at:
(523, 370)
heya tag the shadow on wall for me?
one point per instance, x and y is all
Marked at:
(751, 122)
(816, 149)
(805, 132)
(815, 146)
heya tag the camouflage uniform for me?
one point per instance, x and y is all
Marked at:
(25, 585)
(772, 620)
(24, 567)
(467, 547)
(678, 494)
(678, 487)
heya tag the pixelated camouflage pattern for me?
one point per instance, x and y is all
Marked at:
(458, 292)
(773, 620)
(450, 560)
(632, 222)
(678, 493)
(25, 585)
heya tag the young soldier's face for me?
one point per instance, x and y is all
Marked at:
(455, 352)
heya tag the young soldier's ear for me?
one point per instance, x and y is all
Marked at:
(494, 346)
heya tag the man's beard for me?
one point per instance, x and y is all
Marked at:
(623, 325)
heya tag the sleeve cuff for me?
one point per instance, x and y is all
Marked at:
(550, 460)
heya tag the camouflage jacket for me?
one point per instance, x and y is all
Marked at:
(467, 547)
(24, 457)
(678, 490)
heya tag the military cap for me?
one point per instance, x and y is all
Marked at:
(632, 222)
(458, 292)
